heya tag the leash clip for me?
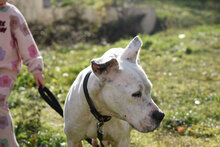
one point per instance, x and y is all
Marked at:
(100, 132)
(99, 127)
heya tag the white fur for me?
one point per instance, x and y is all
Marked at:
(111, 91)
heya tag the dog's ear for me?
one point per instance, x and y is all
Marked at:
(131, 52)
(104, 68)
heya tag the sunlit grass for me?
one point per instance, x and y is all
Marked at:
(185, 73)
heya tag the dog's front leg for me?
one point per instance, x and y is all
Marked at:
(74, 144)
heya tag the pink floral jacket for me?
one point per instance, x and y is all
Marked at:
(17, 43)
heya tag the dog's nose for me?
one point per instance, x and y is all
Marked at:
(158, 116)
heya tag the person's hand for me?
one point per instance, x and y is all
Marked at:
(39, 79)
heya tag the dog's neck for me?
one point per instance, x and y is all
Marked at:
(94, 89)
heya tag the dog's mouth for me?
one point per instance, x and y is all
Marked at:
(146, 129)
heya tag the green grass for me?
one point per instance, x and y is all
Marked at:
(182, 13)
(185, 74)
(186, 78)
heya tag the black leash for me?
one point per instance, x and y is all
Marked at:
(51, 100)
(101, 118)
(48, 96)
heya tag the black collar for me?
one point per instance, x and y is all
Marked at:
(101, 118)
(93, 110)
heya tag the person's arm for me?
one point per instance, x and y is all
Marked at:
(27, 47)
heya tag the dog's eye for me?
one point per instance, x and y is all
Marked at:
(137, 94)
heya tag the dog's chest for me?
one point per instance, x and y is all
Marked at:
(115, 129)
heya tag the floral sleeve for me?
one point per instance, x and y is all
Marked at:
(27, 47)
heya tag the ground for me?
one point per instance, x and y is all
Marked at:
(182, 63)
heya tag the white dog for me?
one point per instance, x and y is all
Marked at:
(118, 87)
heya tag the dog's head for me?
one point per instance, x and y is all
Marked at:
(126, 89)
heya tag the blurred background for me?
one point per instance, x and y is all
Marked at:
(69, 21)
(180, 55)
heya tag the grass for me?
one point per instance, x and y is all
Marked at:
(182, 63)
(185, 74)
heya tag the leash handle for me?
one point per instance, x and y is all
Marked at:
(51, 100)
